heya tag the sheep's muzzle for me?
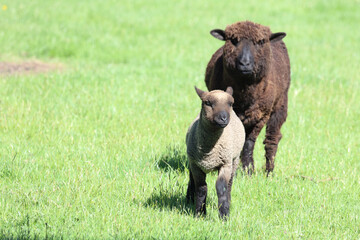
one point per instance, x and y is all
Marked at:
(222, 119)
(245, 60)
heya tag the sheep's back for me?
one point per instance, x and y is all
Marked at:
(281, 66)
(214, 70)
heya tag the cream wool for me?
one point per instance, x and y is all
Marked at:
(214, 142)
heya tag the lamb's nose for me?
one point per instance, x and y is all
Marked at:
(223, 116)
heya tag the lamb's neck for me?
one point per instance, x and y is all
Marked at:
(208, 136)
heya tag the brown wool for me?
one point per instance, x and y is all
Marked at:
(261, 96)
(247, 30)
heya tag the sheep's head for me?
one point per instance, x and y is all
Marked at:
(216, 106)
(247, 48)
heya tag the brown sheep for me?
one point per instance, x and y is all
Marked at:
(255, 62)
(214, 142)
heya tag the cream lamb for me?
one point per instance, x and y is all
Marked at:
(214, 142)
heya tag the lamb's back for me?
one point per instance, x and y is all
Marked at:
(226, 149)
(235, 134)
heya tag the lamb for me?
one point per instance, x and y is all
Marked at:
(255, 62)
(214, 142)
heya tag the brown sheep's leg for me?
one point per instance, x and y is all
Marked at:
(273, 136)
(248, 149)
(200, 189)
(191, 189)
(223, 189)
(247, 159)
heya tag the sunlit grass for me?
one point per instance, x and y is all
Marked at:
(97, 150)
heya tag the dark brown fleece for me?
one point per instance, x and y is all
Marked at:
(247, 30)
(260, 97)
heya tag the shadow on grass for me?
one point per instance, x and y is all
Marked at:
(167, 201)
(169, 195)
(172, 159)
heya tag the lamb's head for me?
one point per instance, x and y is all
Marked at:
(247, 48)
(216, 107)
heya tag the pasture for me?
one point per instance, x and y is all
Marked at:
(92, 146)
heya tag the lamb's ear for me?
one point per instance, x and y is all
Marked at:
(218, 33)
(230, 90)
(199, 92)
(277, 36)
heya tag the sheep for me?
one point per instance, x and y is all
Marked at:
(214, 141)
(255, 62)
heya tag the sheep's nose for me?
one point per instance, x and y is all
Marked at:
(223, 116)
(222, 119)
(245, 60)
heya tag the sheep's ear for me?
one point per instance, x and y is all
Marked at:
(199, 92)
(277, 36)
(218, 33)
(230, 90)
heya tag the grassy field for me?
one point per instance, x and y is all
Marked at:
(96, 150)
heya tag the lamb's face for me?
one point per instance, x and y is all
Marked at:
(247, 49)
(216, 107)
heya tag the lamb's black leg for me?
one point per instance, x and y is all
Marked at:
(235, 165)
(223, 190)
(200, 189)
(191, 189)
(201, 192)
(273, 135)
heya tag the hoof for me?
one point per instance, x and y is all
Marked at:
(249, 170)
(224, 215)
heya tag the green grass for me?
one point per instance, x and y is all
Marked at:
(97, 151)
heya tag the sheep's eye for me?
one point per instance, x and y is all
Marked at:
(261, 42)
(234, 41)
(230, 104)
(207, 103)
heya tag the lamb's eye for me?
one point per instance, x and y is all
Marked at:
(230, 104)
(234, 41)
(207, 103)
